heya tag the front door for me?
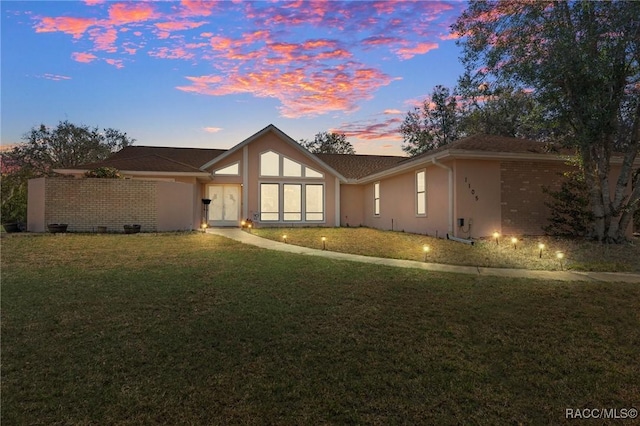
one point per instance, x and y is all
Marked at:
(224, 209)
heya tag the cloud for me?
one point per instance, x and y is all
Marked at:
(54, 77)
(74, 26)
(83, 57)
(392, 111)
(418, 49)
(126, 13)
(93, 2)
(115, 62)
(388, 129)
(212, 129)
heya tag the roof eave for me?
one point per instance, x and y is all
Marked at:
(138, 173)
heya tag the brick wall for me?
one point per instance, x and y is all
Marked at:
(521, 197)
(86, 204)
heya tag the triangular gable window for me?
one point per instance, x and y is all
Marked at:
(290, 168)
(310, 173)
(273, 164)
(232, 170)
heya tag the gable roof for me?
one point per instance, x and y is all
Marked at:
(285, 138)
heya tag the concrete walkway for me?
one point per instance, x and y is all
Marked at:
(248, 238)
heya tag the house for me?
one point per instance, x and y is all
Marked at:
(467, 189)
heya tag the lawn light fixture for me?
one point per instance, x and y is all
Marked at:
(243, 223)
(514, 241)
(496, 236)
(284, 238)
(249, 227)
(541, 247)
(560, 256)
(324, 243)
(425, 249)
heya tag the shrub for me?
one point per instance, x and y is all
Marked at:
(104, 173)
(570, 212)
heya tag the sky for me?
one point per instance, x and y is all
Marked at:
(209, 74)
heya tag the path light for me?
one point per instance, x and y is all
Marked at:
(204, 227)
(496, 235)
(514, 241)
(425, 249)
(243, 223)
(284, 238)
(249, 227)
(560, 256)
(324, 243)
(541, 247)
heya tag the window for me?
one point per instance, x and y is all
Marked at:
(290, 168)
(292, 202)
(269, 164)
(310, 173)
(314, 202)
(376, 198)
(232, 170)
(269, 202)
(421, 193)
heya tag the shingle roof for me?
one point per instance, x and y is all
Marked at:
(490, 143)
(357, 166)
(157, 159)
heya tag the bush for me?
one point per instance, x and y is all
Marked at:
(103, 173)
(570, 212)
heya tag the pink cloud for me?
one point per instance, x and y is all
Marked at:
(125, 13)
(73, 26)
(212, 129)
(93, 2)
(104, 39)
(171, 53)
(419, 49)
(118, 63)
(392, 111)
(197, 7)
(178, 25)
(83, 57)
(388, 129)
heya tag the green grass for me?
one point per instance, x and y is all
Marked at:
(579, 255)
(197, 329)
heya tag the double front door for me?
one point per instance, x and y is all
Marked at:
(225, 206)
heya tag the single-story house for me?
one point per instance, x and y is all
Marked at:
(467, 189)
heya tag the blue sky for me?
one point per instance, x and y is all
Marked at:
(208, 74)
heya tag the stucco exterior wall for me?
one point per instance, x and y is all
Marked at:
(398, 203)
(271, 141)
(352, 205)
(86, 204)
(477, 199)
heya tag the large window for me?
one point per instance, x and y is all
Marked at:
(269, 164)
(376, 198)
(314, 203)
(291, 202)
(269, 202)
(421, 193)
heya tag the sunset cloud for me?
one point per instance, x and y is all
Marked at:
(83, 57)
(74, 26)
(371, 130)
(115, 62)
(212, 129)
(126, 13)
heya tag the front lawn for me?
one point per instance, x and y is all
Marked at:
(198, 329)
(578, 255)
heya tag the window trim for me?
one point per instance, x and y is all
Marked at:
(376, 198)
(418, 194)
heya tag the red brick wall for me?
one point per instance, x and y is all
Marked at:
(521, 197)
(85, 204)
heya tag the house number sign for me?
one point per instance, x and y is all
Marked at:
(472, 190)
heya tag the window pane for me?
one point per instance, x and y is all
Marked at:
(376, 206)
(376, 190)
(292, 202)
(233, 169)
(269, 201)
(269, 164)
(310, 173)
(291, 168)
(420, 184)
(421, 205)
(314, 203)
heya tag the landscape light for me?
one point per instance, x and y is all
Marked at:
(560, 256)
(324, 243)
(243, 223)
(284, 238)
(496, 235)
(425, 249)
(514, 241)
(541, 247)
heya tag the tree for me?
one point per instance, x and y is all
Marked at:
(45, 149)
(329, 143)
(583, 61)
(435, 124)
